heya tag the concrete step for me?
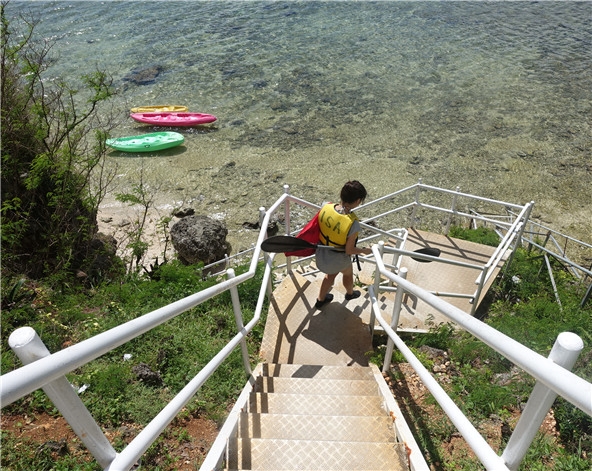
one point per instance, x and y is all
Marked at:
(317, 427)
(341, 387)
(316, 371)
(320, 455)
(316, 404)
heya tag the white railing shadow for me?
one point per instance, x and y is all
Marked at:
(552, 374)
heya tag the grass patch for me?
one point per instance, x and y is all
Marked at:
(480, 235)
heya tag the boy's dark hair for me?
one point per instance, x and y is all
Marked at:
(353, 191)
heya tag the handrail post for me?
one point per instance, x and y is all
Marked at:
(586, 296)
(238, 318)
(482, 277)
(376, 286)
(397, 255)
(28, 347)
(565, 352)
(262, 213)
(287, 224)
(394, 320)
(414, 212)
(520, 235)
(453, 209)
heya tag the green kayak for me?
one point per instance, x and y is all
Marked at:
(146, 142)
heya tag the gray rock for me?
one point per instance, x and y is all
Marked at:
(184, 212)
(101, 259)
(146, 375)
(58, 447)
(200, 239)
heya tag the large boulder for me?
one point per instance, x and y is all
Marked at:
(200, 239)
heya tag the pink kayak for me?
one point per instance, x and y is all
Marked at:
(174, 118)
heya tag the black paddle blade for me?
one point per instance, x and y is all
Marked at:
(281, 244)
(432, 251)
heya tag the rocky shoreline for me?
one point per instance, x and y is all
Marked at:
(117, 219)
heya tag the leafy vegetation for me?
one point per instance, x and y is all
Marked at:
(481, 235)
(53, 146)
(112, 389)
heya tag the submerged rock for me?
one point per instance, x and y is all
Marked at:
(144, 76)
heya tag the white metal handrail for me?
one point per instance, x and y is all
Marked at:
(477, 443)
(535, 229)
(28, 378)
(562, 258)
(570, 386)
(467, 195)
(445, 261)
(552, 377)
(136, 448)
(44, 370)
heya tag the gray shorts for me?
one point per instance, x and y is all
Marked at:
(332, 262)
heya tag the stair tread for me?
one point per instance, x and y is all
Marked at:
(315, 404)
(347, 387)
(316, 371)
(317, 427)
(300, 454)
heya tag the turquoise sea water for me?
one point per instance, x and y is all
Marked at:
(494, 97)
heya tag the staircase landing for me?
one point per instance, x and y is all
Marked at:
(297, 332)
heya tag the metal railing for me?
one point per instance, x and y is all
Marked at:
(571, 253)
(44, 370)
(419, 199)
(47, 371)
(552, 374)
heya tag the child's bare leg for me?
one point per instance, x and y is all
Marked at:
(348, 279)
(326, 286)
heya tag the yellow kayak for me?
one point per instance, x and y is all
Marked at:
(159, 109)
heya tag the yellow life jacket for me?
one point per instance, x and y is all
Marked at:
(334, 226)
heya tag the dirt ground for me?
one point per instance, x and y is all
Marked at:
(44, 430)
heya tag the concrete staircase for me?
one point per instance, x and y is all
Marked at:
(304, 417)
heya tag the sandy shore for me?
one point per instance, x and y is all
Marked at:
(120, 221)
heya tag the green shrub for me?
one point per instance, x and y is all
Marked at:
(575, 427)
(19, 454)
(480, 235)
(51, 143)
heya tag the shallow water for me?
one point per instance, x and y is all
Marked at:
(493, 97)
